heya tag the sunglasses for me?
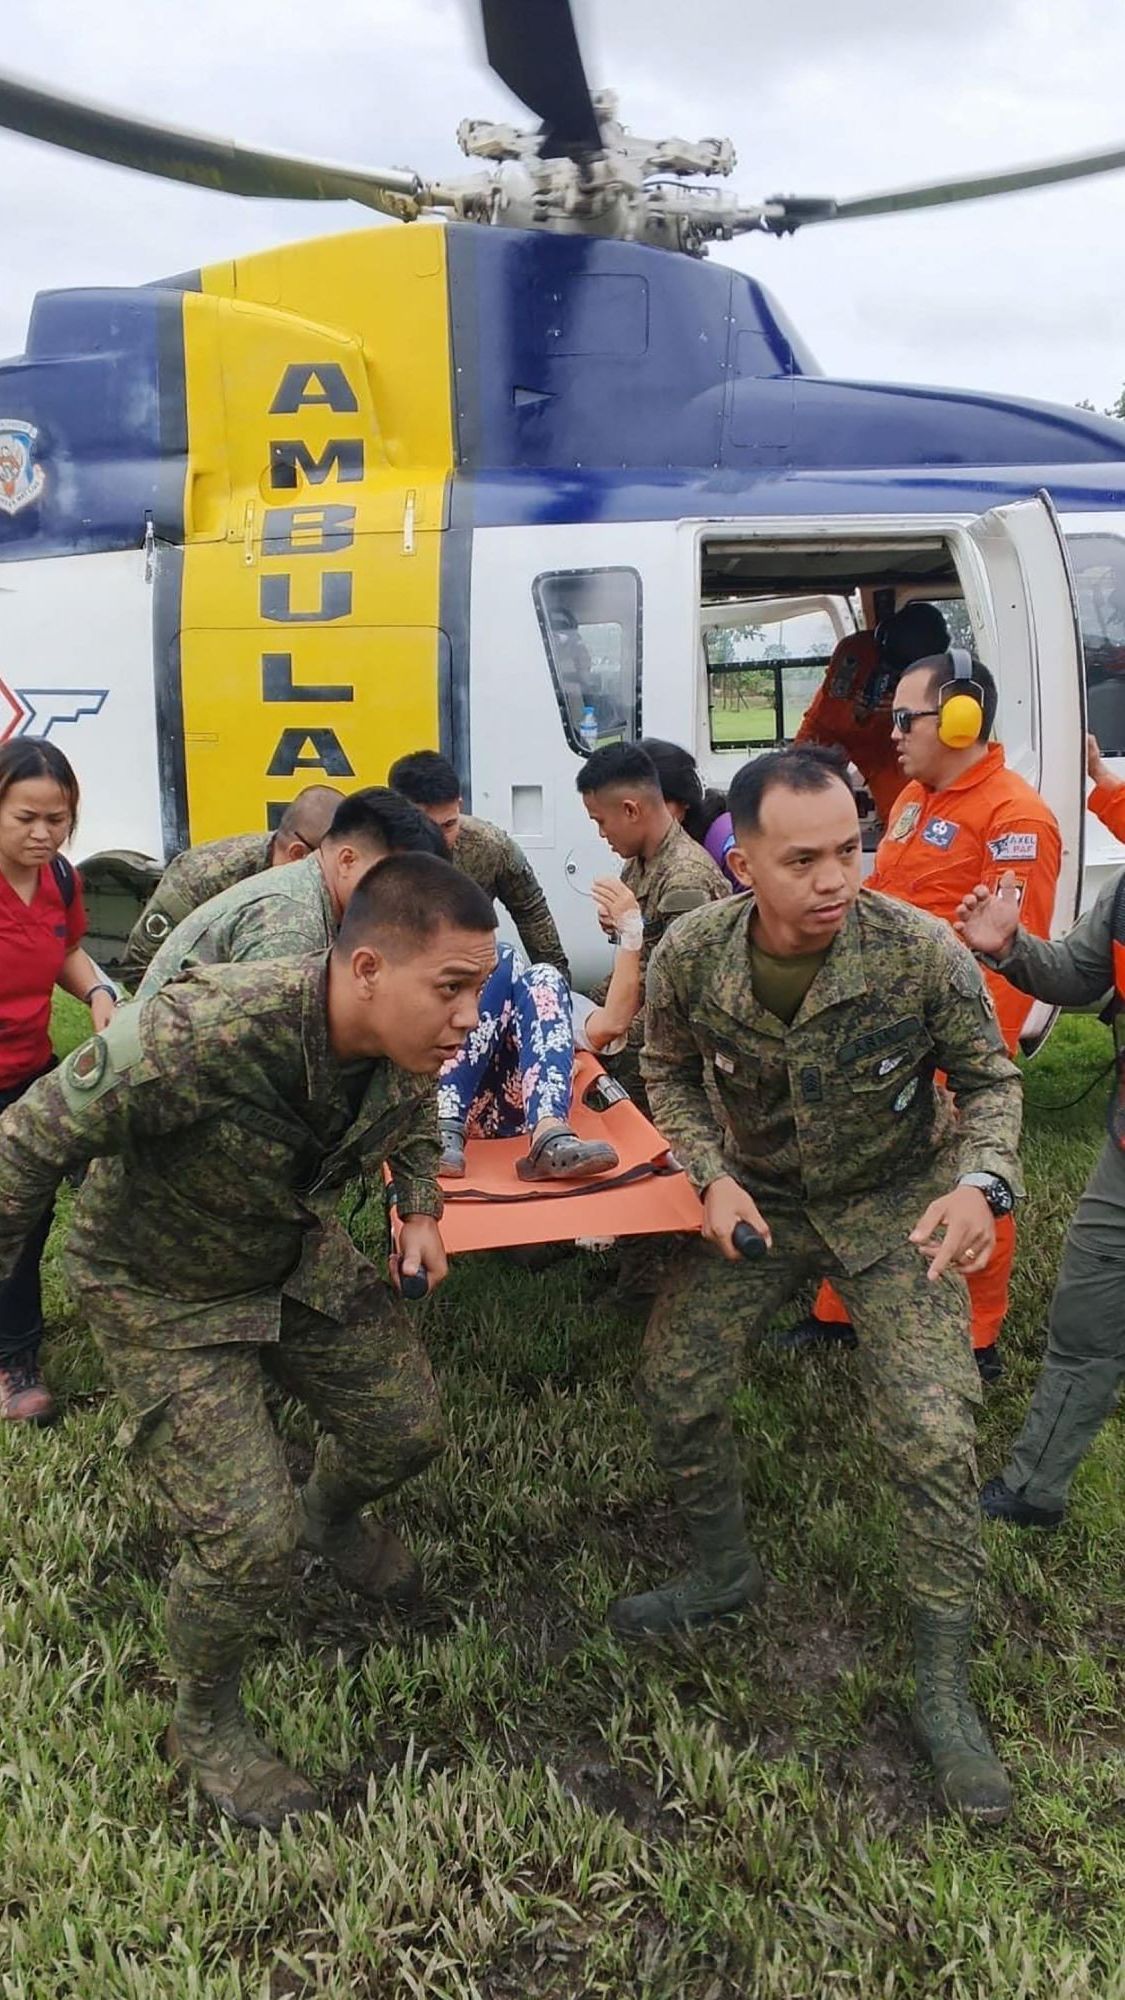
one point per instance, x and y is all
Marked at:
(905, 718)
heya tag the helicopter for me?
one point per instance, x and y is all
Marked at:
(524, 475)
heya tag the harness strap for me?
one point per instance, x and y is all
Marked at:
(647, 1170)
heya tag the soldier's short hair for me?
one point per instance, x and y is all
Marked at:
(309, 816)
(939, 669)
(380, 817)
(426, 777)
(412, 896)
(805, 767)
(618, 764)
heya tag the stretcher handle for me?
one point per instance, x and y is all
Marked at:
(748, 1241)
(414, 1284)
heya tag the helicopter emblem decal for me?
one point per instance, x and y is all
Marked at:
(35, 711)
(21, 480)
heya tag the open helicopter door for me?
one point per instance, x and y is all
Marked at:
(1034, 614)
(1011, 568)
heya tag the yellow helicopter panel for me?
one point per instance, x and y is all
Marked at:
(320, 447)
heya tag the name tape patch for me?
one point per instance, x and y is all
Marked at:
(1014, 847)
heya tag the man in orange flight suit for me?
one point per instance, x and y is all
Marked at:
(1107, 800)
(962, 819)
(852, 706)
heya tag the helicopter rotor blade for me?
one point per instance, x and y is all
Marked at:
(532, 46)
(785, 213)
(174, 155)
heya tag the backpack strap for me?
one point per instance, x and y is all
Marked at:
(65, 879)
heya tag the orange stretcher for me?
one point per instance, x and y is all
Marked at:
(645, 1194)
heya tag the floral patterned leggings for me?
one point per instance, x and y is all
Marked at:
(517, 1066)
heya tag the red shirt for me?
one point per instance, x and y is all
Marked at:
(35, 938)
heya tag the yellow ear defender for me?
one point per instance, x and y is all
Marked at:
(961, 721)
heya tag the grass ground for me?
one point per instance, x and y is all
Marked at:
(518, 1806)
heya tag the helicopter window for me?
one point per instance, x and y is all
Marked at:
(1098, 562)
(761, 677)
(591, 625)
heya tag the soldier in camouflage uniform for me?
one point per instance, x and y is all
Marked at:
(1085, 1358)
(291, 911)
(668, 872)
(224, 1116)
(484, 852)
(201, 872)
(819, 1013)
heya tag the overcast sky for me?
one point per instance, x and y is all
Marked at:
(1021, 294)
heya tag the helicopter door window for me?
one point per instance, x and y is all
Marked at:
(1098, 562)
(762, 677)
(591, 625)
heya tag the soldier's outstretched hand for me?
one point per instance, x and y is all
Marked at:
(725, 1204)
(969, 1238)
(988, 922)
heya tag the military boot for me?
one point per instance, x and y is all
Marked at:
(211, 1740)
(725, 1577)
(970, 1776)
(367, 1556)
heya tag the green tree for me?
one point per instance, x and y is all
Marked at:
(1116, 409)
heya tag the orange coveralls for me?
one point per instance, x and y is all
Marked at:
(1107, 803)
(852, 708)
(938, 846)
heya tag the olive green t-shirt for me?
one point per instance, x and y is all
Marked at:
(780, 984)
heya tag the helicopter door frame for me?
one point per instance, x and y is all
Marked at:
(1018, 587)
(1103, 853)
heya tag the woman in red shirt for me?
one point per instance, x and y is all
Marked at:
(42, 924)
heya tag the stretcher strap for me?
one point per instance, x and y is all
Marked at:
(569, 1189)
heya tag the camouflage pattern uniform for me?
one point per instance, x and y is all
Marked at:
(190, 879)
(680, 877)
(834, 1127)
(284, 913)
(206, 1255)
(501, 868)
(1085, 1358)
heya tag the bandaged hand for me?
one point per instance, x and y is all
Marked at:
(619, 911)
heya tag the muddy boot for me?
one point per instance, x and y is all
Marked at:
(24, 1396)
(367, 1556)
(725, 1577)
(970, 1776)
(211, 1740)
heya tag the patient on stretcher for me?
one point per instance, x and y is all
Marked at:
(515, 1072)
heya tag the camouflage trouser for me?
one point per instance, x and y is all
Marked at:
(919, 1374)
(198, 1423)
(1086, 1345)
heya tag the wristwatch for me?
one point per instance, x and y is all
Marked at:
(996, 1192)
(102, 986)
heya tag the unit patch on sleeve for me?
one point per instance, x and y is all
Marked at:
(843, 680)
(1014, 847)
(940, 832)
(86, 1067)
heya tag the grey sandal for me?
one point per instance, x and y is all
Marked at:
(451, 1166)
(561, 1155)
